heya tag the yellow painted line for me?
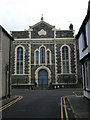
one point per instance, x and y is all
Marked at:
(61, 109)
(10, 103)
(66, 113)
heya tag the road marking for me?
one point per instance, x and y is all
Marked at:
(10, 103)
(66, 113)
(61, 109)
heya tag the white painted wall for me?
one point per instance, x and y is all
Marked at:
(5, 60)
(89, 35)
(0, 74)
(80, 42)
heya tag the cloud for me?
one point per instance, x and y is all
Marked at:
(19, 14)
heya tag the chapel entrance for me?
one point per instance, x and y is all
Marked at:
(42, 78)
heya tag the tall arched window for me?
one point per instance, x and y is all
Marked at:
(37, 57)
(42, 55)
(19, 61)
(48, 57)
(65, 59)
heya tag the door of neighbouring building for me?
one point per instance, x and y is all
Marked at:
(43, 78)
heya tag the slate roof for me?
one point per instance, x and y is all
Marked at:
(6, 33)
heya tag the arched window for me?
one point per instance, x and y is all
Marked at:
(19, 61)
(42, 55)
(37, 57)
(65, 59)
(48, 57)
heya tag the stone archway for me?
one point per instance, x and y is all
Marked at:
(46, 70)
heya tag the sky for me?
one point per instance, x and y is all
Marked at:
(18, 15)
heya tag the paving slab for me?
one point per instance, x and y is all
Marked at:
(80, 106)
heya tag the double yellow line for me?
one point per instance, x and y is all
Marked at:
(10, 103)
(63, 107)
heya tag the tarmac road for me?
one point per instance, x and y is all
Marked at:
(38, 103)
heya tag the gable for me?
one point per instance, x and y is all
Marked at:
(42, 30)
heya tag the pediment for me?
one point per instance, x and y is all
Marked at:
(42, 30)
(42, 23)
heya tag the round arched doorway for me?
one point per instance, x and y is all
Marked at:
(42, 78)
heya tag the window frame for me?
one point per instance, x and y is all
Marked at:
(35, 57)
(23, 61)
(42, 55)
(86, 74)
(48, 57)
(84, 40)
(45, 56)
(69, 60)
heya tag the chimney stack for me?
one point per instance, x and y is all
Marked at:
(71, 27)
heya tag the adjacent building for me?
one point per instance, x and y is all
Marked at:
(83, 38)
(44, 56)
(5, 47)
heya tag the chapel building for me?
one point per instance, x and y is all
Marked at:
(44, 56)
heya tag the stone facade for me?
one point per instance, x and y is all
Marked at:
(47, 36)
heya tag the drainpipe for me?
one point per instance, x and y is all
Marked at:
(9, 94)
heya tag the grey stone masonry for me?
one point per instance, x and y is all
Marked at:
(20, 79)
(46, 28)
(20, 34)
(52, 39)
(64, 33)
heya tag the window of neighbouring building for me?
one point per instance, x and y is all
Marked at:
(87, 74)
(19, 61)
(84, 40)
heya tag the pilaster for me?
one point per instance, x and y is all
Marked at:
(55, 63)
(29, 63)
(30, 29)
(75, 55)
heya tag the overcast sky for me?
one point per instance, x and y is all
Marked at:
(20, 14)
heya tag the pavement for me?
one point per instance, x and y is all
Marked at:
(78, 107)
